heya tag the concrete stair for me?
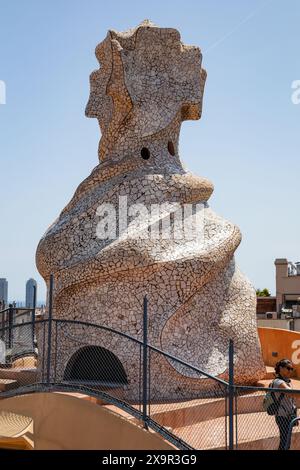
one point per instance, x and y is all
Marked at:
(22, 376)
(7, 384)
(29, 439)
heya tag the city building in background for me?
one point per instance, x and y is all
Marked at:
(282, 311)
(30, 284)
(287, 287)
(266, 305)
(3, 291)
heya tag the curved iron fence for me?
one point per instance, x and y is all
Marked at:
(122, 372)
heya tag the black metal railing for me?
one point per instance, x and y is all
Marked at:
(223, 416)
(55, 354)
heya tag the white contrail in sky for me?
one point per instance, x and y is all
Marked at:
(241, 23)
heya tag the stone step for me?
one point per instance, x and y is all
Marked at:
(7, 384)
(23, 376)
(29, 438)
(29, 441)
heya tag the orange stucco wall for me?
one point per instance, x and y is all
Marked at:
(283, 342)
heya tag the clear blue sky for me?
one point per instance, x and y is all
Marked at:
(247, 142)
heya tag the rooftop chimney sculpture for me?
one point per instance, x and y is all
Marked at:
(125, 233)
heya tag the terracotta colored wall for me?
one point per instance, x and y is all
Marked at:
(286, 343)
(64, 422)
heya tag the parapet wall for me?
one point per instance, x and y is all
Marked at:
(277, 344)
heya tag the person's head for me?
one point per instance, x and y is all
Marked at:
(284, 368)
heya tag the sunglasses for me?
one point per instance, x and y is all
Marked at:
(289, 368)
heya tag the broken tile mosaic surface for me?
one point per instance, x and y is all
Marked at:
(148, 83)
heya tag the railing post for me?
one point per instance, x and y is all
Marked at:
(2, 325)
(3, 315)
(10, 326)
(289, 434)
(145, 361)
(33, 314)
(231, 396)
(50, 328)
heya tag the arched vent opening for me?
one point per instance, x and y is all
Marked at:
(145, 153)
(171, 148)
(95, 364)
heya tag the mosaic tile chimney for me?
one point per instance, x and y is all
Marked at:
(148, 83)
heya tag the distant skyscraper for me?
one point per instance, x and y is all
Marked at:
(29, 292)
(3, 290)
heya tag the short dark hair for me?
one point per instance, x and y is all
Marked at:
(282, 363)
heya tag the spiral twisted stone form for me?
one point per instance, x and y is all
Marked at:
(141, 224)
